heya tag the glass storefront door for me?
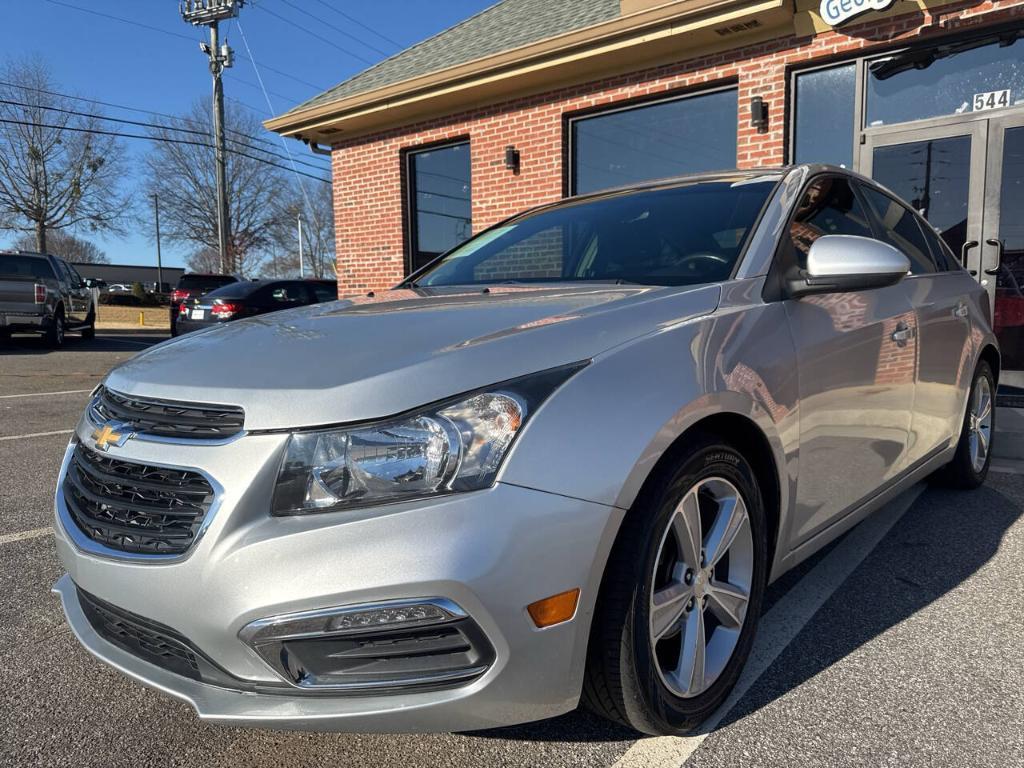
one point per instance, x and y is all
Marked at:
(966, 176)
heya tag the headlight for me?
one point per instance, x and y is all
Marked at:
(457, 445)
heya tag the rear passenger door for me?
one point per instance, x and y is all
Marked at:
(855, 355)
(937, 294)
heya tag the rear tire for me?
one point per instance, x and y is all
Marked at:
(55, 333)
(970, 463)
(660, 687)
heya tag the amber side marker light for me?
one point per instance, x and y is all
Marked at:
(555, 609)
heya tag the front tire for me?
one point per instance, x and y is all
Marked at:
(970, 463)
(681, 595)
(89, 331)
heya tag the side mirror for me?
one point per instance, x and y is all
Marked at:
(843, 263)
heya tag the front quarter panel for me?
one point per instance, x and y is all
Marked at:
(601, 434)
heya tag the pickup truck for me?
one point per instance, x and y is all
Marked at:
(44, 294)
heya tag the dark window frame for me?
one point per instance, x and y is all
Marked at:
(628, 105)
(862, 61)
(878, 224)
(408, 187)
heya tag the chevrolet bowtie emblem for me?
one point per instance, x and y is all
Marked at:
(111, 433)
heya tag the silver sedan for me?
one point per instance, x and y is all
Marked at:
(559, 464)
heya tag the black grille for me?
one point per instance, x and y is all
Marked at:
(146, 639)
(167, 418)
(135, 507)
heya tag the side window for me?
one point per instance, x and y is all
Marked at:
(66, 274)
(900, 229)
(76, 279)
(288, 294)
(941, 253)
(828, 207)
(323, 292)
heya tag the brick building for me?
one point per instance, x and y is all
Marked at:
(532, 100)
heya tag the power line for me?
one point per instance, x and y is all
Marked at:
(266, 96)
(358, 23)
(311, 33)
(141, 124)
(337, 29)
(169, 33)
(187, 121)
(164, 139)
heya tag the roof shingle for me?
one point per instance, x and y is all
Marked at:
(502, 27)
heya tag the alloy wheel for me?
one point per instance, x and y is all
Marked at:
(979, 422)
(701, 586)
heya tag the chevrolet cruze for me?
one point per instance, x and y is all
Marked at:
(558, 464)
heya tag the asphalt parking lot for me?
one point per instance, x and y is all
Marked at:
(900, 645)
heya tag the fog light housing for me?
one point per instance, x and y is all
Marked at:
(384, 647)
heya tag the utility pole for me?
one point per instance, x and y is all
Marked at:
(159, 266)
(302, 269)
(209, 13)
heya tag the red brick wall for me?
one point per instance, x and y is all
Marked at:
(368, 192)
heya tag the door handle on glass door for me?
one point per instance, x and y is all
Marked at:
(963, 255)
(998, 245)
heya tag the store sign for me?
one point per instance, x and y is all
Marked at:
(991, 100)
(836, 12)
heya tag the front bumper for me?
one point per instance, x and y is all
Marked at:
(492, 553)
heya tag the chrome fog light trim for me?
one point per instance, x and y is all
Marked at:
(399, 644)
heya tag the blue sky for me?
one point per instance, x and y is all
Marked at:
(105, 59)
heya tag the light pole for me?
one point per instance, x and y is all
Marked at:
(302, 268)
(159, 265)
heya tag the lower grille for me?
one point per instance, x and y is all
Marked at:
(135, 508)
(140, 637)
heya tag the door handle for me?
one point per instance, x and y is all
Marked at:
(963, 255)
(960, 311)
(998, 245)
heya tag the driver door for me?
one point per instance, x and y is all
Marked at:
(856, 357)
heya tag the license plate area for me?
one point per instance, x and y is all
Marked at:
(198, 314)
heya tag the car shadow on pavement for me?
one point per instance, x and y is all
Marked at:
(108, 342)
(939, 543)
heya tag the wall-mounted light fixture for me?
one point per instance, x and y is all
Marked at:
(759, 114)
(512, 158)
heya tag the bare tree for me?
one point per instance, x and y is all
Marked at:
(67, 246)
(56, 170)
(206, 260)
(182, 174)
(314, 203)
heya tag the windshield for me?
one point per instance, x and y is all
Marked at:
(676, 236)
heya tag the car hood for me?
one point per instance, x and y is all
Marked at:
(371, 356)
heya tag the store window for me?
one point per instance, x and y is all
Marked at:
(919, 84)
(823, 122)
(668, 138)
(439, 208)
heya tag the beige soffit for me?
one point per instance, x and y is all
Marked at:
(648, 36)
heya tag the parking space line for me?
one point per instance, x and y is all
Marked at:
(22, 535)
(778, 628)
(37, 434)
(130, 341)
(44, 394)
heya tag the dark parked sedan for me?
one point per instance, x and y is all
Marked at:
(192, 286)
(251, 297)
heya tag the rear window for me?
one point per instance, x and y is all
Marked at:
(325, 291)
(237, 290)
(204, 282)
(15, 265)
